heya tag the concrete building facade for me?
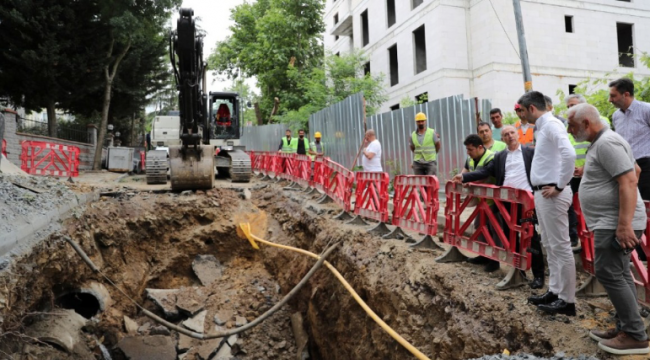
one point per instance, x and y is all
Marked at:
(448, 47)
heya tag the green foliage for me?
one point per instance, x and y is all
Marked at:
(407, 101)
(246, 96)
(596, 91)
(268, 37)
(509, 118)
(338, 78)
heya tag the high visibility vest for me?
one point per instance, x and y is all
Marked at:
(312, 147)
(289, 147)
(427, 150)
(526, 138)
(487, 157)
(581, 150)
(498, 146)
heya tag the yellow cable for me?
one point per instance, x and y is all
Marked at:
(252, 239)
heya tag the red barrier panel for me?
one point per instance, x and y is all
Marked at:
(415, 204)
(587, 254)
(302, 170)
(506, 253)
(42, 158)
(372, 195)
(143, 155)
(252, 155)
(257, 162)
(339, 184)
(642, 276)
(320, 174)
(284, 166)
(271, 164)
(4, 147)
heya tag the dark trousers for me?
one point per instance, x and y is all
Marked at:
(644, 179)
(573, 217)
(537, 261)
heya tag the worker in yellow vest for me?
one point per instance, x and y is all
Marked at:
(288, 145)
(484, 130)
(317, 147)
(425, 145)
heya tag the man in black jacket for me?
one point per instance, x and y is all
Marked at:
(511, 167)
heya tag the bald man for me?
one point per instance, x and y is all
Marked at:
(614, 211)
(371, 160)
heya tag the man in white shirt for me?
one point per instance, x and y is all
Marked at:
(371, 160)
(551, 172)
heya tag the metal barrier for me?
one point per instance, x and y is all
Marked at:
(507, 252)
(318, 182)
(642, 276)
(284, 166)
(338, 185)
(42, 158)
(4, 147)
(415, 207)
(372, 200)
(258, 161)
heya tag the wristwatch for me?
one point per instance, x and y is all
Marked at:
(559, 189)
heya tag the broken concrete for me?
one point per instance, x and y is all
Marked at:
(222, 316)
(208, 348)
(197, 322)
(240, 321)
(165, 299)
(130, 326)
(62, 328)
(207, 268)
(191, 300)
(156, 347)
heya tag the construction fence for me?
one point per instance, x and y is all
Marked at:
(342, 128)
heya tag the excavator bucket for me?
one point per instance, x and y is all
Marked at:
(191, 173)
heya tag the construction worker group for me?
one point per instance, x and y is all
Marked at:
(605, 163)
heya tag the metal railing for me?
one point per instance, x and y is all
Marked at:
(65, 131)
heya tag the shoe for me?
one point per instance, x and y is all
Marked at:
(623, 344)
(546, 298)
(559, 306)
(479, 260)
(492, 266)
(600, 335)
(537, 283)
(574, 241)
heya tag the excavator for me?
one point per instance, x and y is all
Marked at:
(209, 137)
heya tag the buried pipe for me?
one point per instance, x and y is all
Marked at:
(193, 334)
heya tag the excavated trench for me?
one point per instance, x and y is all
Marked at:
(184, 259)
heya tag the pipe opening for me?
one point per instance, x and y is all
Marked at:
(83, 304)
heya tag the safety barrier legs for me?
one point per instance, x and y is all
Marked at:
(514, 278)
(427, 242)
(591, 288)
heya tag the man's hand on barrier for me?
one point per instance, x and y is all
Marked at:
(458, 179)
(626, 237)
(549, 192)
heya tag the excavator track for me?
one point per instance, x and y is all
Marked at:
(156, 167)
(240, 168)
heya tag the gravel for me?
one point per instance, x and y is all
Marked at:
(559, 356)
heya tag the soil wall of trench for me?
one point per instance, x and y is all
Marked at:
(447, 311)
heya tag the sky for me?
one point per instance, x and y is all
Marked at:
(215, 20)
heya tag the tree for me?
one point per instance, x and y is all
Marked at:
(48, 46)
(338, 78)
(268, 37)
(246, 96)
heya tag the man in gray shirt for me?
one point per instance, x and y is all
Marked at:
(615, 213)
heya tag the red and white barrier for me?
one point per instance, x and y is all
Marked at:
(43, 158)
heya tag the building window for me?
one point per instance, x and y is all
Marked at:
(572, 88)
(390, 10)
(422, 98)
(420, 46)
(416, 3)
(338, 54)
(395, 107)
(568, 23)
(365, 36)
(336, 21)
(366, 69)
(394, 66)
(625, 44)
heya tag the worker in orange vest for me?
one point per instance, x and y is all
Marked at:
(526, 131)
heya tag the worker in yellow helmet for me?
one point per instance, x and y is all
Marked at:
(425, 145)
(317, 147)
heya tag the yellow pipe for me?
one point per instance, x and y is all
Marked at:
(252, 239)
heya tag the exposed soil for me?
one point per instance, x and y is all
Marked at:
(149, 241)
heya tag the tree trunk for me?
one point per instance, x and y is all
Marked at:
(51, 119)
(258, 114)
(132, 134)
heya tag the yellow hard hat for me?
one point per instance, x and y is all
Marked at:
(317, 134)
(420, 116)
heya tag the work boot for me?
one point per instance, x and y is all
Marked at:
(492, 266)
(559, 306)
(624, 344)
(479, 260)
(600, 335)
(546, 298)
(537, 283)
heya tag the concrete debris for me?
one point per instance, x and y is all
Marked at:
(208, 348)
(559, 356)
(165, 299)
(185, 343)
(191, 300)
(156, 347)
(130, 326)
(222, 316)
(61, 328)
(7, 167)
(240, 321)
(160, 330)
(207, 268)
(225, 352)
(144, 328)
(186, 193)
(197, 322)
